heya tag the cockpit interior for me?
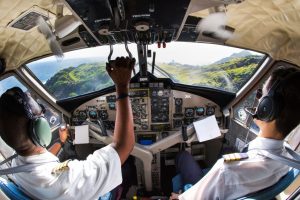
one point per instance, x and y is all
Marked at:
(195, 59)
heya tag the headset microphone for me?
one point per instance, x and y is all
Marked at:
(251, 111)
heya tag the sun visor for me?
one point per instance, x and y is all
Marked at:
(20, 39)
(267, 26)
(272, 27)
(26, 46)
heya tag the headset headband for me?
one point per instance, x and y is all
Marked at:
(23, 100)
(271, 105)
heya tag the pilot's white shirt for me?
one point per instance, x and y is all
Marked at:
(238, 178)
(88, 179)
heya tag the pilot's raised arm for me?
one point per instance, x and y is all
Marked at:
(120, 72)
(50, 179)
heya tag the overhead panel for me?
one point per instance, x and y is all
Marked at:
(142, 22)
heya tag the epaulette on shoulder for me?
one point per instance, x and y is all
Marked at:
(235, 157)
(61, 167)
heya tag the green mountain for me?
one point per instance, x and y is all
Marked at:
(74, 81)
(229, 75)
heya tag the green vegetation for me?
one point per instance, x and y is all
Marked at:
(74, 81)
(229, 76)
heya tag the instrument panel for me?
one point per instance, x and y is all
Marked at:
(158, 112)
(155, 107)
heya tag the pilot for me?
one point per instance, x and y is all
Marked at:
(73, 179)
(230, 180)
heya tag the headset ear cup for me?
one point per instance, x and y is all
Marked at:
(265, 109)
(41, 132)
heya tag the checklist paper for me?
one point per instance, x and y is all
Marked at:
(207, 129)
(82, 134)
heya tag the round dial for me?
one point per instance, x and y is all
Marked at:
(82, 115)
(178, 101)
(210, 110)
(93, 114)
(199, 111)
(160, 93)
(189, 112)
(103, 114)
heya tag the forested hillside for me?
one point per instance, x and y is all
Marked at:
(74, 81)
(228, 74)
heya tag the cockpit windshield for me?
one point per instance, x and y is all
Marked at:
(197, 64)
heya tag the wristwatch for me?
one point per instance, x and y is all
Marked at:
(122, 96)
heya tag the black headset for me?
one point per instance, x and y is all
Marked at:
(39, 129)
(270, 105)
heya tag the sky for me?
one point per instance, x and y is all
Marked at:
(180, 52)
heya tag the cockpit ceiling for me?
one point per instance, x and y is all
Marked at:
(272, 27)
(18, 46)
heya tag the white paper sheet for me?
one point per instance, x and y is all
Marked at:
(207, 129)
(81, 134)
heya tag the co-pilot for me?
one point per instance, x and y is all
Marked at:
(231, 180)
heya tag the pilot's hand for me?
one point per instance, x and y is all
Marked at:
(174, 196)
(120, 71)
(63, 134)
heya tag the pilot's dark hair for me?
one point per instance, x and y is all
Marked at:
(10, 104)
(13, 118)
(289, 91)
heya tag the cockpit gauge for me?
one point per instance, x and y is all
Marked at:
(242, 114)
(200, 111)
(178, 105)
(160, 93)
(111, 98)
(82, 115)
(154, 93)
(137, 121)
(103, 114)
(210, 110)
(178, 101)
(189, 112)
(52, 119)
(144, 126)
(112, 106)
(93, 114)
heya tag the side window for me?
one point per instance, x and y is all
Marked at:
(239, 110)
(10, 82)
(52, 116)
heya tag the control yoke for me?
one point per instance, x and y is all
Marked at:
(111, 50)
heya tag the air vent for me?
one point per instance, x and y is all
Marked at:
(27, 20)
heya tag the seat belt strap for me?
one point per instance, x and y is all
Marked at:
(294, 154)
(285, 160)
(22, 168)
(8, 159)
